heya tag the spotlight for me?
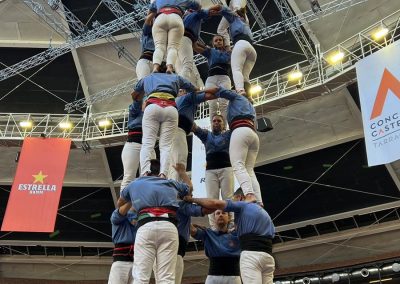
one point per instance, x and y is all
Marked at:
(295, 75)
(364, 272)
(380, 33)
(254, 90)
(65, 125)
(396, 267)
(335, 277)
(26, 124)
(335, 57)
(104, 123)
(306, 280)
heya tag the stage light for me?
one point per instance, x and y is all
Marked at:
(295, 75)
(26, 124)
(65, 125)
(335, 277)
(104, 123)
(396, 267)
(380, 33)
(254, 90)
(364, 272)
(335, 57)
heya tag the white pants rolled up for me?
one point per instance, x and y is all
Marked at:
(219, 180)
(156, 242)
(167, 34)
(257, 267)
(185, 56)
(218, 104)
(121, 273)
(130, 157)
(179, 153)
(243, 58)
(155, 119)
(143, 68)
(243, 151)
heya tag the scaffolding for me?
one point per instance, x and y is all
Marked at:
(275, 86)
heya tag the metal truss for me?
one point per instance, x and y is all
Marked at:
(49, 18)
(301, 37)
(120, 89)
(89, 36)
(294, 23)
(306, 17)
(276, 86)
(80, 28)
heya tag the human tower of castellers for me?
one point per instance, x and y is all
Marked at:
(152, 224)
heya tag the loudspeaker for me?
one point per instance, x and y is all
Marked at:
(264, 124)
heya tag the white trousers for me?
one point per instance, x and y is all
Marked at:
(218, 104)
(243, 58)
(156, 242)
(143, 68)
(213, 279)
(185, 56)
(165, 120)
(224, 24)
(179, 153)
(219, 179)
(167, 34)
(179, 269)
(121, 273)
(243, 151)
(256, 267)
(130, 157)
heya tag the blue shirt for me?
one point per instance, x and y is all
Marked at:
(214, 142)
(192, 22)
(135, 115)
(123, 232)
(181, 4)
(187, 104)
(238, 105)
(216, 56)
(185, 211)
(237, 25)
(163, 82)
(147, 39)
(251, 218)
(151, 191)
(219, 244)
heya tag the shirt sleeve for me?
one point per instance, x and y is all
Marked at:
(228, 14)
(116, 217)
(193, 5)
(234, 206)
(185, 84)
(139, 87)
(226, 94)
(202, 134)
(191, 210)
(207, 52)
(202, 14)
(125, 193)
(153, 7)
(200, 234)
(147, 30)
(199, 98)
(182, 188)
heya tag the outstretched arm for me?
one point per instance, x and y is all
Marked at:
(181, 170)
(208, 202)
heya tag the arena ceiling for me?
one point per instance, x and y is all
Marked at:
(312, 167)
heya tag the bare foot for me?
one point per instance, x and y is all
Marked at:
(250, 197)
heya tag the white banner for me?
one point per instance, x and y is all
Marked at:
(199, 161)
(378, 78)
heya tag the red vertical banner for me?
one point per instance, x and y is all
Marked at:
(36, 190)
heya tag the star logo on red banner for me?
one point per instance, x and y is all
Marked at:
(39, 177)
